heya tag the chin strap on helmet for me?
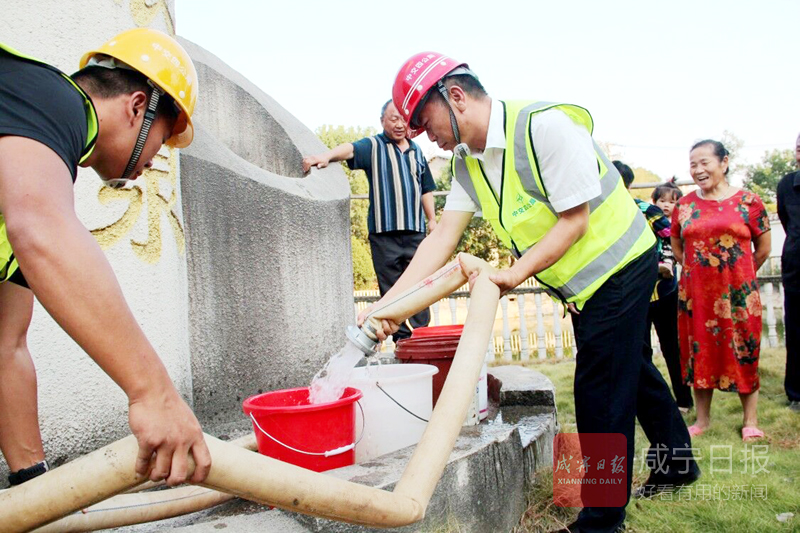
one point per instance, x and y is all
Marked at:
(149, 118)
(461, 150)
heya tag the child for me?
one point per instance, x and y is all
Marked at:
(666, 196)
(659, 223)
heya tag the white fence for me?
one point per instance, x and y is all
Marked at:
(530, 325)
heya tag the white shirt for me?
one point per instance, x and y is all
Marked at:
(567, 160)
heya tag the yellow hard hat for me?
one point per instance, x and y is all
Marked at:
(159, 57)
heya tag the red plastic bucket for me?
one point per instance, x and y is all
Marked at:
(430, 350)
(318, 437)
(437, 331)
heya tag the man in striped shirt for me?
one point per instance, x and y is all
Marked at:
(400, 191)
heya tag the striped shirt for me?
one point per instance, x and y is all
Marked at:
(397, 181)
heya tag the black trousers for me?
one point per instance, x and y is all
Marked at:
(615, 383)
(663, 313)
(791, 324)
(391, 253)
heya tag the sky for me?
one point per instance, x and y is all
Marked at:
(656, 76)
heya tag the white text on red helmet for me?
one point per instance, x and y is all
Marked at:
(419, 64)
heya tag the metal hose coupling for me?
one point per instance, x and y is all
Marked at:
(364, 337)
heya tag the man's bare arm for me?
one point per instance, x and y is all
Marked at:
(72, 279)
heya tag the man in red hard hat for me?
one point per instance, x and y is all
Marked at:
(132, 95)
(552, 196)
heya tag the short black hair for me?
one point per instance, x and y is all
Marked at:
(626, 173)
(471, 85)
(668, 189)
(719, 150)
(383, 109)
(111, 82)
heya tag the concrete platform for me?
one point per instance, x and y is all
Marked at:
(483, 487)
(524, 386)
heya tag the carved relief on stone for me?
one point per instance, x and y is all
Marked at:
(156, 189)
(145, 11)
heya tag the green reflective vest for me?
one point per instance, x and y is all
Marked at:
(522, 214)
(8, 263)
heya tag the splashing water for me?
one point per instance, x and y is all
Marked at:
(330, 382)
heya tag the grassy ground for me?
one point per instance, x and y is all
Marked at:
(769, 487)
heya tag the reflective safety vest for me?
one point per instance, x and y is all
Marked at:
(8, 263)
(617, 232)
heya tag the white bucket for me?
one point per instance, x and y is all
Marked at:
(483, 390)
(479, 408)
(386, 425)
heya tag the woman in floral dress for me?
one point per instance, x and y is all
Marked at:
(720, 234)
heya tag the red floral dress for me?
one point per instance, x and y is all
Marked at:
(719, 307)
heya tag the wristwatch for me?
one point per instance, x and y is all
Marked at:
(26, 474)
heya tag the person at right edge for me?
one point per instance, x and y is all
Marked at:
(789, 215)
(559, 204)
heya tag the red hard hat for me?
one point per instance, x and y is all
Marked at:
(415, 78)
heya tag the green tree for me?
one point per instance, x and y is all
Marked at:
(479, 239)
(642, 175)
(363, 272)
(734, 145)
(762, 178)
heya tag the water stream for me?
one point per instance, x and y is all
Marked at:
(330, 382)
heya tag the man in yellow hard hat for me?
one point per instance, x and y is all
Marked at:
(131, 95)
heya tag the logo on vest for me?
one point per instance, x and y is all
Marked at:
(524, 207)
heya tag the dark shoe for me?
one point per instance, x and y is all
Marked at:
(657, 484)
(575, 528)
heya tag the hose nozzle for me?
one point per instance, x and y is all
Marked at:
(364, 337)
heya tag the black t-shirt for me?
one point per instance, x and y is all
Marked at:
(789, 213)
(38, 103)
